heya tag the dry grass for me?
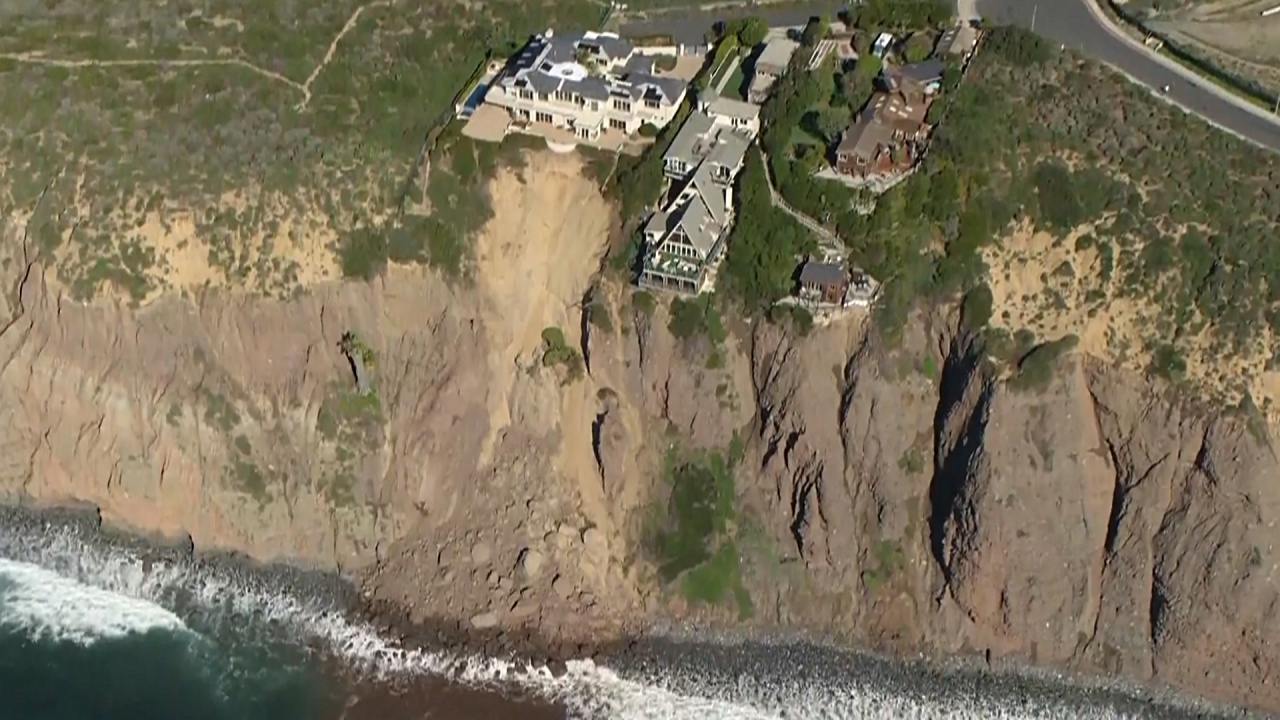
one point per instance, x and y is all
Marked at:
(232, 145)
(1054, 287)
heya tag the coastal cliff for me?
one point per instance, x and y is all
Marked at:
(908, 497)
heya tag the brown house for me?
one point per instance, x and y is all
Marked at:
(824, 282)
(885, 138)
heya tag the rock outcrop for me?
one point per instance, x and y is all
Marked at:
(1099, 523)
(908, 497)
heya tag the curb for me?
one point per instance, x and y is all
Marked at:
(1195, 78)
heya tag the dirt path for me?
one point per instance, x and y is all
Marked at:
(333, 47)
(35, 58)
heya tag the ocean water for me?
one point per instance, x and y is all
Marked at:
(104, 629)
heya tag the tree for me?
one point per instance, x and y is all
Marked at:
(360, 357)
(918, 47)
(951, 77)
(751, 31)
(827, 123)
(857, 85)
(814, 30)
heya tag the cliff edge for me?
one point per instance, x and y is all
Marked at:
(914, 498)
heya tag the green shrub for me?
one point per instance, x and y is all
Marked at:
(696, 317)
(364, 254)
(918, 47)
(976, 309)
(1167, 362)
(643, 301)
(556, 352)
(1036, 369)
(691, 537)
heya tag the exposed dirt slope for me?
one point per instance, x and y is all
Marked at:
(907, 499)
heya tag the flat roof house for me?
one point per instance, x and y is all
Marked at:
(738, 115)
(710, 141)
(585, 82)
(769, 66)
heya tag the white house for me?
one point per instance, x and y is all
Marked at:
(717, 134)
(586, 83)
(686, 238)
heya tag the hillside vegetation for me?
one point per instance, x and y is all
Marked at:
(1088, 207)
(231, 143)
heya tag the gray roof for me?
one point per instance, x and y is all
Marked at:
(728, 107)
(958, 40)
(730, 149)
(685, 144)
(777, 52)
(711, 195)
(702, 214)
(924, 72)
(659, 223)
(698, 219)
(699, 138)
(822, 273)
(533, 65)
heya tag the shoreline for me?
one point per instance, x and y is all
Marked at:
(674, 657)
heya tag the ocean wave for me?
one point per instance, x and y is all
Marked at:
(125, 592)
(47, 605)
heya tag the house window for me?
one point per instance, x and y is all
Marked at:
(526, 94)
(594, 105)
(564, 96)
(542, 96)
(654, 104)
(543, 117)
(617, 124)
(623, 105)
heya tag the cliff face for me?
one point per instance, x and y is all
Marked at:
(1097, 524)
(227, 420)
(907, 498)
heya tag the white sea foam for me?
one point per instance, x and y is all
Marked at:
(127, 597)
(49, 605)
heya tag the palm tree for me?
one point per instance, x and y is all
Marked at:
(360, 356)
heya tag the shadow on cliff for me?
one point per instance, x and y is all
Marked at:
(960, 421)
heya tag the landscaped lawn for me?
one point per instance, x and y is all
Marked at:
(732, 64)
(737, 87)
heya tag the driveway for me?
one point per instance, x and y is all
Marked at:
(1071, 23)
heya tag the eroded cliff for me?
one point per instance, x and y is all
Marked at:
(906, 497)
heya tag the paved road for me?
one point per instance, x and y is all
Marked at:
(1070, 22)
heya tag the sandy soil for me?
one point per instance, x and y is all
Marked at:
(1032, 288)
(535, 261)
(300, 246)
